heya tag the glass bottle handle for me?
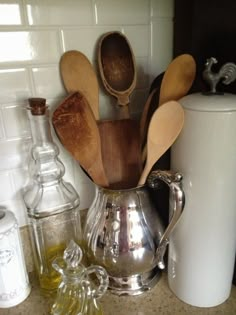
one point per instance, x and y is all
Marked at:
(174, 181)
(103, 279)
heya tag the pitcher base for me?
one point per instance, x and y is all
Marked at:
(136, 284)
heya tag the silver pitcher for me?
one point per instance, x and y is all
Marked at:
(124, 233)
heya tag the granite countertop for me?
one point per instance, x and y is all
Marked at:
(160, 300)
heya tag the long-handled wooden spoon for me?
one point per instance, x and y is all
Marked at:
(176, 83)
(178, 78)
(165, 126)
(78, 75)
(76, 128)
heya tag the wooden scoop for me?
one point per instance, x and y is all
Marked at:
(76, 127)
(78, 75)
(165, 126)
(117, 67)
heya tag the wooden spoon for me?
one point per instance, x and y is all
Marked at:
(121, 149)
(78, 75)
(117, 67)
(165, 126)
(76, 127)
(178, 78)
(176, 83)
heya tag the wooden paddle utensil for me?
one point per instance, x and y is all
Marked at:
(117, 68)
(78, 75)
(76, 128)
(165, 126)
(121, 149)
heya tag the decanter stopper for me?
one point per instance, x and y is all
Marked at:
(37, 105)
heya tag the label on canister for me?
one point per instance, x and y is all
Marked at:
(14, 282)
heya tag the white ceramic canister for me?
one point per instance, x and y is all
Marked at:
(203, 245)
(14, 282)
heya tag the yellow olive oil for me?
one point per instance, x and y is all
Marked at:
(49, 278)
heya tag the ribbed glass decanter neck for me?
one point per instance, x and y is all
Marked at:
(48, 193)
(46, 167)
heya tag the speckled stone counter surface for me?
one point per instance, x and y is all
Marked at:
(159, 301)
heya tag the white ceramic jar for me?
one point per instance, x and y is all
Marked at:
(14, 283)
(203, 245)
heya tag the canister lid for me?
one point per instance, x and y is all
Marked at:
(7, 220)
(209, 103)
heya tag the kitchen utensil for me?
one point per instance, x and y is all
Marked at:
(176, 83)
(76, 127)
(144, 121)
(117, 67)
(165, 126)
(78, 75)
(124, 234)
(121, 152)
(178, 78)
(205, 237)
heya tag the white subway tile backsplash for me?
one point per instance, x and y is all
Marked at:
(142, 73)
(86, 193)
(34, 34)
(16, 123)
(60, 12)
(20, 179)
(137, 101)
(14, 85)
(10, 12)
(162, 46)
(47, 81)
(14, 153)
(160, 8)
(85, 39)
(139, 38)
(7, 191)
(29, 46)
(1, 126)
(112, 12)
(108, 105)
(79, 174)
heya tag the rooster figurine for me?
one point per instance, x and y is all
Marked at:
(227, 72)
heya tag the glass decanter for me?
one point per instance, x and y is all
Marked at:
(52, 204)
(78, 292)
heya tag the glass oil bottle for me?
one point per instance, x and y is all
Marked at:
(81, 287)
(52, 204)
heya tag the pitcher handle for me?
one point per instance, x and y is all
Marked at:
(174, 181)
(103, 279)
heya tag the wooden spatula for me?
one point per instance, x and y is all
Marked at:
(78, 75)
(76, 128)
(121, 156)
